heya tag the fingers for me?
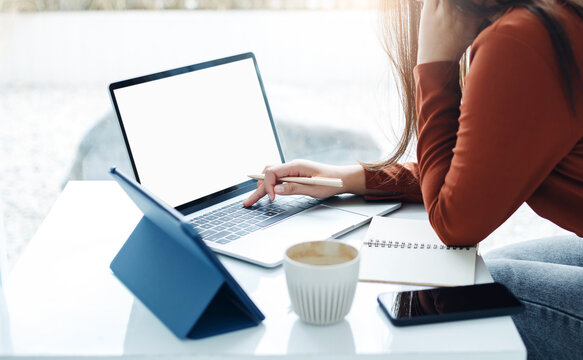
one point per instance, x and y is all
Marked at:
(445, 32)
(299, 189)
(253, 198)
(272, 173)
(266, 186)
(270, 186)
(431, 4)
(269, 182)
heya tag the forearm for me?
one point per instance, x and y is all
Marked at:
(353, 179)
(398, 181)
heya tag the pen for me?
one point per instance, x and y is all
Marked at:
(305, 180)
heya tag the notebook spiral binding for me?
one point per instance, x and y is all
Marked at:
(402, 244)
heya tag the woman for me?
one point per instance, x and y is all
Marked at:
(515, 136)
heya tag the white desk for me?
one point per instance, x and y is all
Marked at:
(62, 300)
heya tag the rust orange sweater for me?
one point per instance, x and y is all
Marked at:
(513, 139)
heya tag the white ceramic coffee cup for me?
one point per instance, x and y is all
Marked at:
(321, 279)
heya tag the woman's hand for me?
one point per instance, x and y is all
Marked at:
(445, 32)
(352, 178)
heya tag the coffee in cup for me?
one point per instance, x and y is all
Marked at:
(321, 279)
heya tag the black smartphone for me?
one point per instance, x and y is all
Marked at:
(449, 304)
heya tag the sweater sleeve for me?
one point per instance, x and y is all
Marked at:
(480, 161)
(397, 182)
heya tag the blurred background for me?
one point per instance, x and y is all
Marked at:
(322, 63)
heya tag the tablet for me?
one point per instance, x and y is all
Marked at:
(168, 267)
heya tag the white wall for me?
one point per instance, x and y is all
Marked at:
(319, 67)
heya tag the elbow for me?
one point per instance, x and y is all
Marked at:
(458, 231)
(457, 239)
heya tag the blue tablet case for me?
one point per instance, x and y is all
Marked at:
(167, 266)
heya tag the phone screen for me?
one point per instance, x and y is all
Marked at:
(449, 304)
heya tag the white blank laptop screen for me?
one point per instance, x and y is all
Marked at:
(199, 132)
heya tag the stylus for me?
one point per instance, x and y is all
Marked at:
(305, 180)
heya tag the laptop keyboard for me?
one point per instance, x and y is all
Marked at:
(232, 221)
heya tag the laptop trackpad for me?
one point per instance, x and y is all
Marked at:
(267, 246)
(357, 204)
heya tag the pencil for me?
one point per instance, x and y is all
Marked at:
(305, 180)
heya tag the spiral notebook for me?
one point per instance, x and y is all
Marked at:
(407, 251)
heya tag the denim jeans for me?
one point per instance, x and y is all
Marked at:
(547, 276)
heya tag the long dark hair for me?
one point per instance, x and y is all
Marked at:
(400, 25)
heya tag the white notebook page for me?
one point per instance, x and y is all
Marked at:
(408, 251)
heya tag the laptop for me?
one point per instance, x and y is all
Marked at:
(193, 133)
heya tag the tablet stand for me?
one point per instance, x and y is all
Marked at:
(171, 272)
